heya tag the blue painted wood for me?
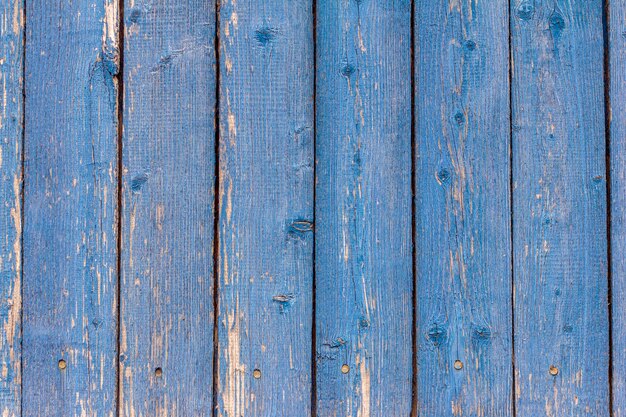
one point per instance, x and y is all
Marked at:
(166, 334)
(364, 279)
(617, 113)
(462, 209)
(559, 209)
(70, 209)
(265, 208)
(11, 118)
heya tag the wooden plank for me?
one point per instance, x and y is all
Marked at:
(70, 209)
(265, 208)
(11, 118)
(462, 232)
(166, 341)
(560, 232)
(617, 113)
(364, 278)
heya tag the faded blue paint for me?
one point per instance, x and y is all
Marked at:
(559, 209)
(617, 114)
(70, 210)
(462, 216)
(470, 244)
(166, 333)
(11, 115)
(265, 256)
(364, 278)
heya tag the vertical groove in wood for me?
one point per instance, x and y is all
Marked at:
(607, 126)
(364, 280)
(119, 197)
(463, 253)
(560, 212)
(70, 208)
(11, 136)
(266, 208)
(615, 25)
(216, 210)
(166, 334)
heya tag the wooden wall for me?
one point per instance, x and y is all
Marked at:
(357, 208)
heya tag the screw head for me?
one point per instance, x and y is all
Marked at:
(345, 369)
(554, 371)
(62, 364)
(458, 365)
(256, 373)
(158, 372)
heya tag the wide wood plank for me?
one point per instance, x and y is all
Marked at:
(70, 209)
(166, 340)
(364, 278)
(11, 118)
(617, 113)
(559, 209)
(265, 208)
(462, 233)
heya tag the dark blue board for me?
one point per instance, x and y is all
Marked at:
(166, 332)
(70, 209)
(559, 209)
(265, 208)
(462, 209)
(363, 257)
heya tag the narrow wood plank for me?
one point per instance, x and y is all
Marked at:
(70, 209)
(166, 343)
(560, 230)
(266, 208)
(364, 278)
(462, 233)
(11, 115)
(617, 112)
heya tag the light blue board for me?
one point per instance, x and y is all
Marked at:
(559, 209)
(11, 118)
(462, 209)
(617, 114)
(166, 332)
(70, 209)
(363, 256)
(265, 208)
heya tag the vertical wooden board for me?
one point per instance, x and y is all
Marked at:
(617, 113)
(462, 209)
(266, 208)
(11, 71)
(559, 209)
(166, 339)
(70, 209)
(364, 278)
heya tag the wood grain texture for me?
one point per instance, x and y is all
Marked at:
(11, 118)
(617, 112)
(266, 208)
(364, 279)
(560, 231)
(166, 340)
(462, 233)
(70, 207)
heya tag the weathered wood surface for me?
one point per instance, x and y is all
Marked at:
(11, 118)
(349, 208)
(70, 201)
(265, 208)
(462, 216)
(617, 116)
(166, 334)
(559, 209)
(364, 278)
